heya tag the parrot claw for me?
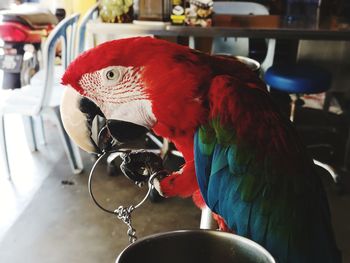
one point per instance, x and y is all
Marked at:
(139, 165)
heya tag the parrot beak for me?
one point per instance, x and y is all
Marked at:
(124, 131)
(90, 130)
(75, 122)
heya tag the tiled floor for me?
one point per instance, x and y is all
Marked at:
(45, 220)
(29, 169)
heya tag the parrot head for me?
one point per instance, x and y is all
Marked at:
(131, 83)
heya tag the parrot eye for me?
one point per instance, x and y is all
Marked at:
(112, 74)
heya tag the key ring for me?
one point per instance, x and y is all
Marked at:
(122, 213)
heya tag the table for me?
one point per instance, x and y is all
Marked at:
(265, 26)
(270, 26)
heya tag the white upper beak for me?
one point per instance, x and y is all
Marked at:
(75, 122)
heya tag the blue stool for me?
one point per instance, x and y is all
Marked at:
(298, 79)
(302, 78)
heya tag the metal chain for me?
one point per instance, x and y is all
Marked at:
(124, 214)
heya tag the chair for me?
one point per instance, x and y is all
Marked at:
(43, 95)
(91, 14)
(238, 46)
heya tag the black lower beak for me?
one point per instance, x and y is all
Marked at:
(124, 131)
(110, 133)
(115, 134)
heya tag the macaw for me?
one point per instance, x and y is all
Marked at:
(243, 155)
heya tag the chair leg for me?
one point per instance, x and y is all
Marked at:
(71, 149)
(346, 164)
(42, 129)
(207, 220)
(4, 146)
(327, 101)
(29, 129)
(329, 169)
(292, 110)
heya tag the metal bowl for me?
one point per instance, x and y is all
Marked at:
(190, 246)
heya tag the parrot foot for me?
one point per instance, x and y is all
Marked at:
(138, 166)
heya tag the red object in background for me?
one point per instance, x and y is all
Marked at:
(21, 33)
(14, 32)
(26, 26)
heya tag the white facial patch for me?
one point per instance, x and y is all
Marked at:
(138, 112)
(120, 94)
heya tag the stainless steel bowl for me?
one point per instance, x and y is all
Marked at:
(191, 246)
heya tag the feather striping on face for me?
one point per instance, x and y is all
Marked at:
(120, 94)
(121, 52)
(114, 84)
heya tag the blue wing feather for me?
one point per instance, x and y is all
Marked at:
(220, 179)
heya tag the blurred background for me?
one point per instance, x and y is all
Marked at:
(46, 214)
